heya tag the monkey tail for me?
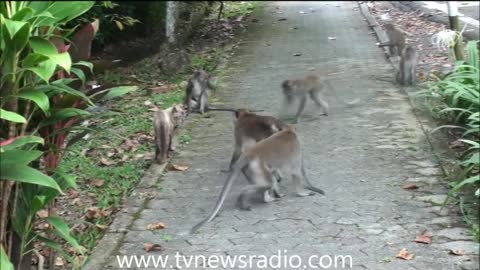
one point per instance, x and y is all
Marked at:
(307, 181)
(223, 194)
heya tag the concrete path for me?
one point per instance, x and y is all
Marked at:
(361, 155)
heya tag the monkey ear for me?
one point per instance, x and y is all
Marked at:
(286, 83)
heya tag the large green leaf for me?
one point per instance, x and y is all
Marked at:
(63, 60)
(20, 141)
(118, 91)
(39, 97)
(26, 174)
(13, 26)
(39, 6)
(66, 11)
(12, 117)
(23, 14)
(59, 87)
(62, 230)
(84, 63)
(80, 74)
(16, 35)
(66, 180)
(63, 114)
(18, 157)
(4, 262)
(44, 70)
(42, 46)
(33, 59)
(38, 203)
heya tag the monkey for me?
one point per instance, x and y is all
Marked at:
(281, 151)
(312, 85)
(249, 129)
(197, 91)
(396, 39)
(164, 123)
(408, 65)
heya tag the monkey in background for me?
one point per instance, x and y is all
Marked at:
(396, 39)
(408, 66)
(197, 91)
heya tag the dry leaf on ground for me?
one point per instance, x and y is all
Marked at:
(42, 213)
(106, 162)
(151, 247)
(457, 252)
(97, 182)
(177, 167)
(405, 255)
(410, 186)
(424, 239)
(156, 226)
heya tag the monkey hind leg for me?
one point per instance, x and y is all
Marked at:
(318, 99)
(301, 107)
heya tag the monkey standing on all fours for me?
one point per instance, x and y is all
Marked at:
(408, 66)
(281, 152)
(164, 124)
(311, 85)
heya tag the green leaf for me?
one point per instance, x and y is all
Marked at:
(33, 59)
(23, 14)
(63, 60)
(60, 87)
(66, 11)
(63, 114)
(42, 46)
(84, 63)
(62, 230)
(4, 262)
(20, 141)
(118, 91)
(67, 180)
(39, 97)
(13, 27)
(79, 74)
(44, 70)
(16, 37)
(12, 117)
(38, 203)
(470, 180)
(19, 157)
(26, 174)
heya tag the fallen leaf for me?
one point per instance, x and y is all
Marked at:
(155, 226)
(59, 261)
(177, 167)
(106, 162)
(424, 239)
(332, 38)
(301, 12)
(297, 54)
(97, 182)
(95, 212)
(150, 247)
(405, 254)
(161, 89)
(456, 252)
(101, 227)
(42, 213)
(410, 186)
(282, 19)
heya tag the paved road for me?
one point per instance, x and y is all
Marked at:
(361, 155)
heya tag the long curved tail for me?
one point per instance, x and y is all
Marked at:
(307, 181)
(223, 194)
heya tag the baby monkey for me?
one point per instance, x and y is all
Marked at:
(396, 39)
(311, 85)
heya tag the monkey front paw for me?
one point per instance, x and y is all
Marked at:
(305, 194)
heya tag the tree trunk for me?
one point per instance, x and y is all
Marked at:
(171, 22)
(455, 26)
